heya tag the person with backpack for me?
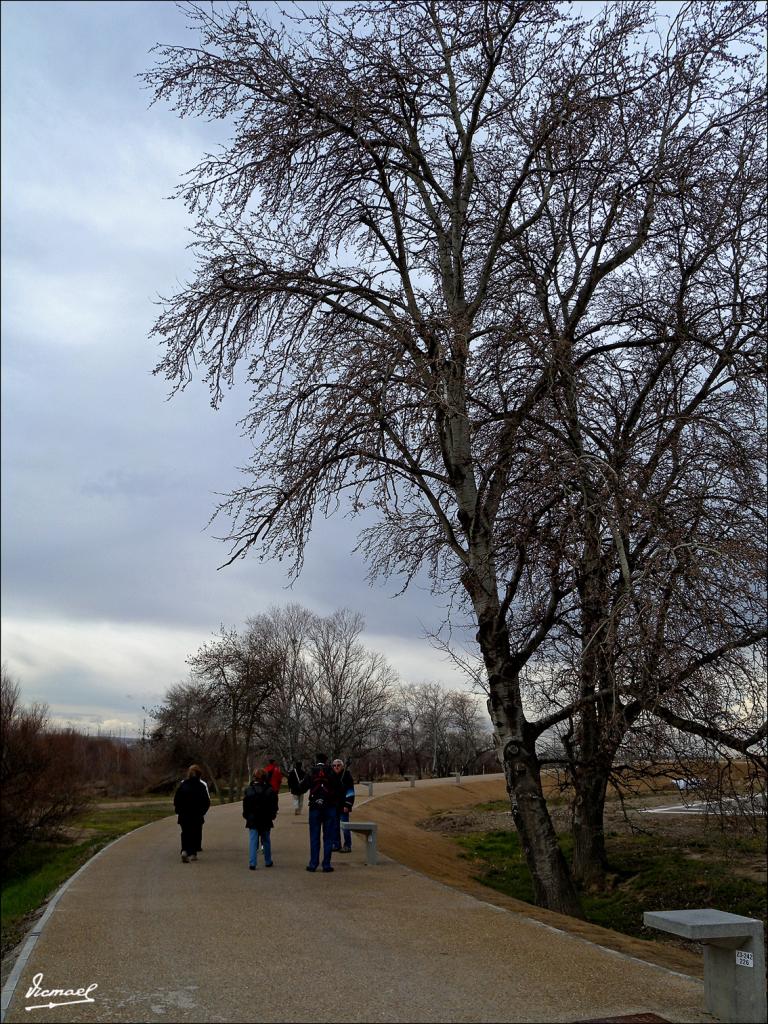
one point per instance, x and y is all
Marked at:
(191, 802)
(259, 811)
(323, 789)
(274, 775)
(295, 778)
(346, 798)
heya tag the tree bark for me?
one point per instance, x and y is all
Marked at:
(589, 856)
(552, 882)
(599, 723)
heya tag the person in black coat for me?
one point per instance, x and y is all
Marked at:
(191, 802)
(345, 798)
(260, 811)
(323, 786)
(295, 779)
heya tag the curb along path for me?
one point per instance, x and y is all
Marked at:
(212, 941)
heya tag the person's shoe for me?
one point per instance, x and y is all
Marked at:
(310, 868)
(297, 811)
(336, 849)
(346, 849)
(251, 867)
(193, 856)
(269, 865)
(184, 857)
(326, 870)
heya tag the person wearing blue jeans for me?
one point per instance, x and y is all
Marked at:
(321, 819)
(257, 839)
(259, 811)
(323, 812)
(346, 798)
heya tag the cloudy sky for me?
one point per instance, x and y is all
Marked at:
(109, 570)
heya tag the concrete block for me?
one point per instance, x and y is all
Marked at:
(734, 960)
(369, 829)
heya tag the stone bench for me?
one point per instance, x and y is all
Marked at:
(411, 779)
(368, 828)
(734, 959)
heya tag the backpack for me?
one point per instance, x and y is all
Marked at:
(320, 791)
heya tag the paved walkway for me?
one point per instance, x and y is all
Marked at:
(212, 941)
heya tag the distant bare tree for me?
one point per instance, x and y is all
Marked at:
(375, 244)
(470, 736)
(238, 673)
(437, 721)
(347, 689)
(406, 728)
(282, 729)
(189, 727)
(42, 771)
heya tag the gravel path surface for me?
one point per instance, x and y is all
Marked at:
(213, 941)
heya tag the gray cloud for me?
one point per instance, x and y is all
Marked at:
(109, 573)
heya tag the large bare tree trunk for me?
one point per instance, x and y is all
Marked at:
(589, 856)
(596, 742)
(553, 885)
(552, 882)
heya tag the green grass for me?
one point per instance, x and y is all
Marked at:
(37, 870)
(116, 821)
(647, 873)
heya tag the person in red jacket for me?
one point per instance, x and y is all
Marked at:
(275, 776)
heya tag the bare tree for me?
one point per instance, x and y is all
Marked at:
(330, 692)
(407, 731)
(437, 721)
(238, 674)
(469, 737)
(347, 689)
(282, 729)
(375, 244)
(189, 727)
(42, 771)
(436, 728)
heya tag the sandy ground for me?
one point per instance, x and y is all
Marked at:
(438, 856)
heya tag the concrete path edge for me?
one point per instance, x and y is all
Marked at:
(29, 941)
(543, 924)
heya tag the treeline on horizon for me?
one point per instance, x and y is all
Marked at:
(292, 683)
(289, 684)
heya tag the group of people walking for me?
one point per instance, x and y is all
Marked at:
(330, 789)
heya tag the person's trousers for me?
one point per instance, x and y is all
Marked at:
(191, 835)
(325, 819)
(259, 838)
(343, 835)
(298, 802)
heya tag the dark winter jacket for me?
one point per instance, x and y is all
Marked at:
(260, 806)
(346, 792)
(191, 800)
(295, 778)
(323, 786)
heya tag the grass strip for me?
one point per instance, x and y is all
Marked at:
(36, 871)
(646, 873)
